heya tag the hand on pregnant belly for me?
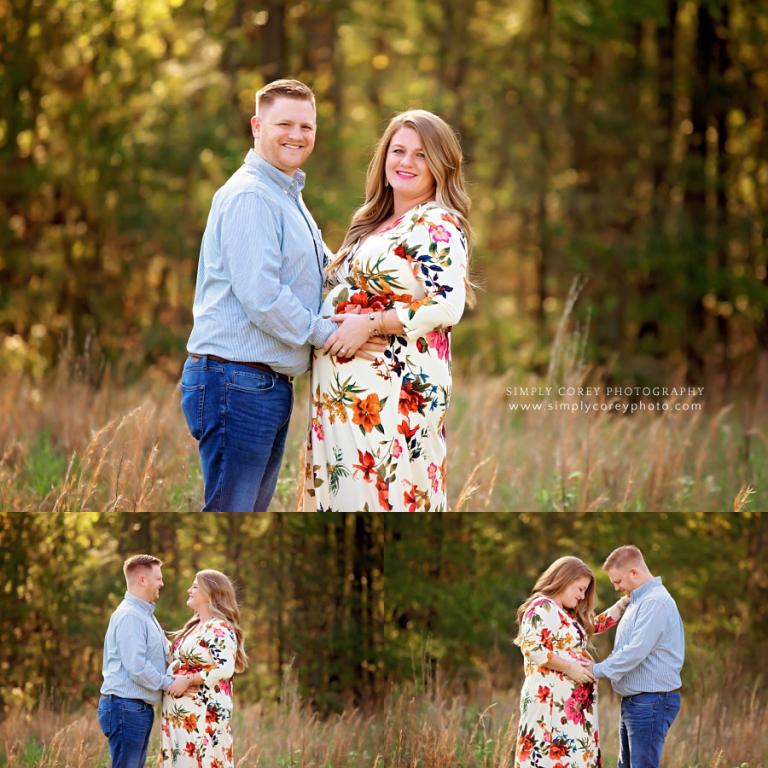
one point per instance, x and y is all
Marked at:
(353, 332)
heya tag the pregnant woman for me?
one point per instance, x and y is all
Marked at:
(377, 433)
(558, 702)
(197, 727)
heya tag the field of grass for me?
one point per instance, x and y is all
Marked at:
(725, 730)
(68, 446)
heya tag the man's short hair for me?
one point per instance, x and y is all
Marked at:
(135, 563)
(292, 89)
(624, 557)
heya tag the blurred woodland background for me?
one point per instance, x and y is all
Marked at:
(618, 140)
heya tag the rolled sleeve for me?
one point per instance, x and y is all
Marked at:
(252, 254)
(440, 264)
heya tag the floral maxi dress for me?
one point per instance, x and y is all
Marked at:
(376, 439)
(558, 717)
(196, 729)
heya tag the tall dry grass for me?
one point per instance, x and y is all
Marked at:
(67, 446)
(409, 730)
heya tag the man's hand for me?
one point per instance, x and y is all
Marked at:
(581, 671)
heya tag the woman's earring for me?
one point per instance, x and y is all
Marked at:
(386, 181)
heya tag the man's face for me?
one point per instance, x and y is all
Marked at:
(623, 579)
(284, 133)
(151, 581)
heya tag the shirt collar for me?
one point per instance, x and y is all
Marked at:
(636, 594)
(291, 185)
(139, 603)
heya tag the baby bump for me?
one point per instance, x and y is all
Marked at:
(335, 297)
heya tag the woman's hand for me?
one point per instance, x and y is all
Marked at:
(622, 604)
(179, 685)
(353, 332)
(373, 348)
(581, 671)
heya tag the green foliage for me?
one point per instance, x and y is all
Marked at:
(338, 607)
(619, 141)
(45, 465)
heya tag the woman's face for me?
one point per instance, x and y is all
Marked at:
(406, 167)
(196, 598)
(574, 593)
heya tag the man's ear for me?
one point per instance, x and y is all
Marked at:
(255, 125)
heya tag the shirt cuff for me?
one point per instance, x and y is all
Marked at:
(167, 682)
(321, 331)
(597, 670)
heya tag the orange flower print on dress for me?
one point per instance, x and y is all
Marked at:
(382, 488)
(375, 433)
(411, 401)
(558, 717)
(365, 413)
(195, 728)
(525, 746)
(190, 723)
(366, 465)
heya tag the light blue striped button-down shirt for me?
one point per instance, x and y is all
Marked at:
(649, 648)
(135, 653)
(260, 273)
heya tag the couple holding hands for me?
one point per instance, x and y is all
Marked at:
(378, 345)
(558, 703)
(192, 673)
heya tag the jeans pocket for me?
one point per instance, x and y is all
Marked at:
(137, 718)
(252, 381)
(192, 402)
(105, 718)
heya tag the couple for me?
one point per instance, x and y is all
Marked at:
(192, 673)
(558, 702)
(378, 346)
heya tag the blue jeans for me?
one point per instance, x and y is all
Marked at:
(239, 416)
(645, 720)
(127, 724)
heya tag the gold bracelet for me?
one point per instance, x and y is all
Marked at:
(381, 323)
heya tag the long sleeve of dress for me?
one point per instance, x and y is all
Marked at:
(437, 251)
(539, 629)
(609, 618)
(219, 646)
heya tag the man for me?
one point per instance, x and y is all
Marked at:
(134, 665)
(644, 668)
(258, 292)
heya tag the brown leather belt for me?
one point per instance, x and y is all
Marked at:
(259, 366)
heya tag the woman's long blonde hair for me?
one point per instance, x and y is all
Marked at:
(444, 159)
(223, 604)
(564, 571)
